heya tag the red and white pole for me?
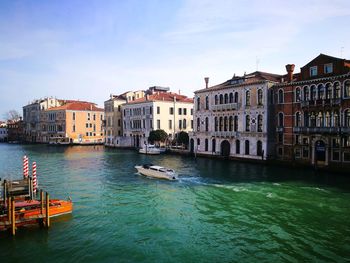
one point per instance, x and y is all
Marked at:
(35, 184)
(25, 167)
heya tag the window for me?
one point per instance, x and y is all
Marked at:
(206, 145)
(336, 90)
(180, 124)
(87, 134)
(185, 111)
(216, 100)
(280, 119)
(247, 98)
(231, 97)
(260, 123)
(198, 103)
(226, 98)
(347, 118)
(297, 95)
(246, 143)
(328, 68)
(192, 124)
(73, 128)
(206, 124)
(198, 124)
(297, 119)
(259, 149)
(191, 111)
(216, 123)
(247, 123)
(180, 111)
(94, 117)
(306, 93)
(207, 103)
(347, 88)
(328, 91)
(225, 123)
(170, 124)
(73, 116)
(260, 97)
(313, 71)
(151, 110)
(144, 124)
(158, 124)
(88, 118)
(87, 125)
(184, 124)
(230, 123)
(321, 92)
(235, 123)
(238, 147)
(158, 110)
(171, 111)
(280, 96)
(198, 142)
(213, 145)
(313, 92)
(236, 97)
(221, 99)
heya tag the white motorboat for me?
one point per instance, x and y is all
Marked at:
(149, 149)
(156, 171)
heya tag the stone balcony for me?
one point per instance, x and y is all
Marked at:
(223, 107)
(311, 130)
(320, 103)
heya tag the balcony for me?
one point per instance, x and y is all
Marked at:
(320, 103)
(222, 107)
(311, 130)
(226, 134)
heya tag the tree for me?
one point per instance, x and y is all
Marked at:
(12, 115)
(182, 138)
(157, 136)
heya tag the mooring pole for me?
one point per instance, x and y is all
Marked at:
(13, 215)
(47, 210)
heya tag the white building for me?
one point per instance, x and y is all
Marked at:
(159, 109)
(233, 119)
(3, 132)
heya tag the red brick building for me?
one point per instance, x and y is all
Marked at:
(312, 110)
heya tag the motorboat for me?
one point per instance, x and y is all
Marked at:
(149, 149)
(156, 171)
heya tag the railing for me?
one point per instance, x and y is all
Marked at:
(320, 102)
(221, 107)
(316, 129)
(225, 134)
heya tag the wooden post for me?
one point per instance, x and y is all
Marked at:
(42, 202)
(13, 215)
(5, 190)
(31, 189)
(47, 210)
(9, 209)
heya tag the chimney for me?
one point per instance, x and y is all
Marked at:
(290, 69)
(206, 79)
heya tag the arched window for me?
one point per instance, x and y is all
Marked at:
(328, 91)
(260, 123)
(207, 103)
(226, 98)
(347, 118)
(327, 120)
(247, 123)
(306, 119)
(297, 119)
(216, 99)
(313, 119)
(198, 143)
(230, 124)
(220, 124)
(213, 145)
(198, 103)
(259, 149)
(321, 92)
(336, 89)
(280, 119)
(319, 119)
(221, 99)
(206, 144)
(280, 96)
(306, 93)
(336, 118)
(247, 98)
(206, 124)
(347, 88)
(260, 97)
(216, 123)
(235, 123)
(246, 147)
(236, 97)
(231, 97)
(198, 124)
(297, 94)
(313, 92)
(225, 123)
(238, 147)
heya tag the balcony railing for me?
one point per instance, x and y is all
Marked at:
(320, 102)
(316, 129)
(225, 134)
(222, 107)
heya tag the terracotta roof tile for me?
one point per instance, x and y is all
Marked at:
(163, 96)
(77, 105)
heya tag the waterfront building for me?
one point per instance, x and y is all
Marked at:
(113, 116)
(74, 122)
(313, 113)
(3, 132)
(234, 119)
(15, 129)
(159, 109)
(31, 117)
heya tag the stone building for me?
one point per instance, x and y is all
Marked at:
(233, 119)
(313, 113)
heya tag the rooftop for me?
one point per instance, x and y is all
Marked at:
(78, 106)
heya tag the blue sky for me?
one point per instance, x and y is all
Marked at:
(89, 49)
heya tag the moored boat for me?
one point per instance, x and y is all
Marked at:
(156, 171)
(149, 149)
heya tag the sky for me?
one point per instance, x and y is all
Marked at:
(87, 50)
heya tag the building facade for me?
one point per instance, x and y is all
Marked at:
(15, 130)
(313, 113)
(75, 122)
(159, 109)
(233, 119)
(3, 132)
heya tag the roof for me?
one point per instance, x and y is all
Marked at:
(77, 105)
(248, 79)
(163, 96)
(324, 56)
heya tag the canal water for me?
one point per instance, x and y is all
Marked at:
(219, 211)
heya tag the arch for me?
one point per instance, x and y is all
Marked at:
(213, 145)
(259, 149)
(328, 91)
(347, 118)
(216, 123)
(207, 103)
(313, 92)
(230, 123)
(225, 98)
(280, 119)
(306, 119)
(216, 99)
(206, 124)
(220, 124)
(347, 88)
(206, 144)
(306, 93)
(198, 103)
(320, 151)
(247, 123)
(336, 90)
(238, 146)
(260, 123)
(247, 98)
(297, 119)
(312, 119)
(236, 97)
(297, 96)
(260, 97)
(246, 147)
(336, 118)
(221, 99)
(235, 123)
(280, 96)
(225, 123)
(231, 97)
(321, 91)
(198, 124)
(225, 148)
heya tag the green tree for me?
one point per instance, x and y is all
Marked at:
(157, 136)
(182, 138)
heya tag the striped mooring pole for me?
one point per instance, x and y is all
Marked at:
(35, 184)
(25, 167)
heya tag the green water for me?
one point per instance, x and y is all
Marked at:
(218, 211)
